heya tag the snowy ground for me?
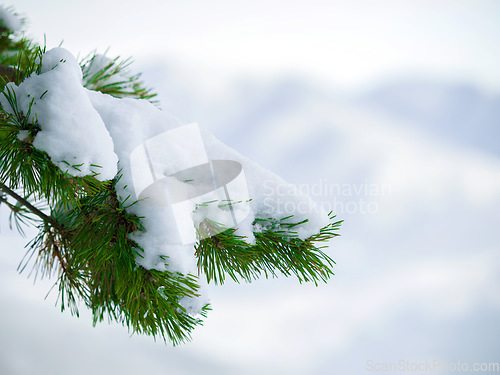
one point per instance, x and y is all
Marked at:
(417, 183)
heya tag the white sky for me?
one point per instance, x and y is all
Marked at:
(350, 43)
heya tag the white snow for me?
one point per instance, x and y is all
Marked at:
(9, 20)
(72, 132)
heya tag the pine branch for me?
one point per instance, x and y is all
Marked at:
(87, 238)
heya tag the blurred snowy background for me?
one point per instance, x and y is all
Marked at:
(387, 112)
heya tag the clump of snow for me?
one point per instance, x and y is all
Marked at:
(72, 132)
(144, 121)
(131, 123)
(9, 20)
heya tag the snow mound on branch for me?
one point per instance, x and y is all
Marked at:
(132, 123)
(9, 20)
(153, 150)
(72, 132)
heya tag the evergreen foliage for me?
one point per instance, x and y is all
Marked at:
(83, 228)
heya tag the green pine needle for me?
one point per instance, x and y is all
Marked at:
(277, 249)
